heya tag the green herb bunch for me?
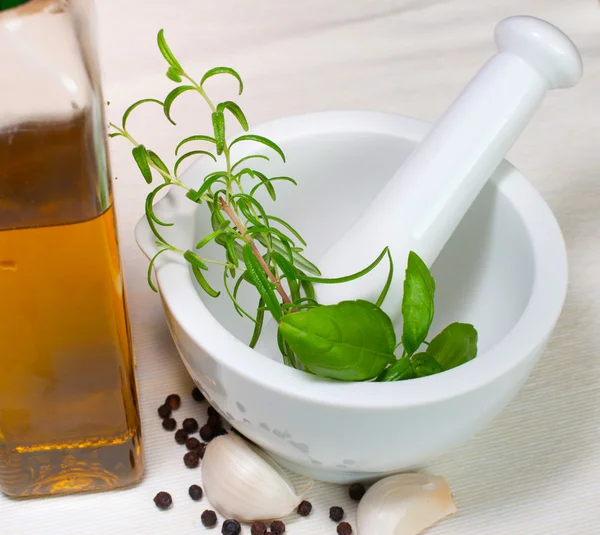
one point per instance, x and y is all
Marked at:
(352, 340)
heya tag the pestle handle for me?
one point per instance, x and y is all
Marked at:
(423, 203)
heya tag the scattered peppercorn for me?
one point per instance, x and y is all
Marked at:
(169, 424)
(209, 519)
(212, 411)
(336, 513)
(173, 401)
(206, 433)
(181, 436)
(277, 527)
(214, 420)
(344, 529)
(191, 459)
(201, 449)
(357, 491)
(163, 500)
(192, 444)
(195, 492)
(190, 425)
(219, 432)
(231, 527)
(258, 528)
(304, 508)
(197, 395)
(164, 411)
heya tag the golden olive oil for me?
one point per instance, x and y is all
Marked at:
(68, 408)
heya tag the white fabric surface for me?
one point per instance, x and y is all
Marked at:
(536, 470)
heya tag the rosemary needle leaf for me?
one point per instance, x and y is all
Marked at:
(236, 111)
(172, 74)
(203, 282)
(140, 156)
(171, 98)
(259, 139)
(218, 121)
(134, 106)
(166, 52)
(223, 70)
(194, 138)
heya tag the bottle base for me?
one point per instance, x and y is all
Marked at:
(91, 465)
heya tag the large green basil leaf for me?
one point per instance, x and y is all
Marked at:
(417, 303)
(349, 341)
(454, 346)
(399, 371)
(424, 365)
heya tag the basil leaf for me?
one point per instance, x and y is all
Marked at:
(424, 365)
(454, 346)
(399, 371)
(417, 303)
(349, 341)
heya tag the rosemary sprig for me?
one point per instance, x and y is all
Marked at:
(352, 340)
(255, 252)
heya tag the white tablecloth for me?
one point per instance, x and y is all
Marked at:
(536, 470)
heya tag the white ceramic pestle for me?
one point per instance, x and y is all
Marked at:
(423, 203)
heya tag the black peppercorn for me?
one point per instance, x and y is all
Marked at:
(219, 432)
(173, 401)
(214, 420)
(181, 436)
(258, 528)
(164, 411)
(336, 513)
(277, 527)
(192, 444)
(190, 425)
(206, 433)
(169, 424)
(357, 491)
(212, 411)
(209, 519)
(195, 492)
(231, 527)
(304, 508)
(201, 449)
(197, 395)
(163, 500)
(344, 529)
(191, 459)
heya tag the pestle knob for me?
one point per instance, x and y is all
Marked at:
(423, 203)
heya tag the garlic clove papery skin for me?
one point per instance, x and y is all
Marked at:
(241, 482)
(404, 504)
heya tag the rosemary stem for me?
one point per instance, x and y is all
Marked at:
(235, 220)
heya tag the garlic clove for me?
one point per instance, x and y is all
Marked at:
(242, 482)
(404, 504)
